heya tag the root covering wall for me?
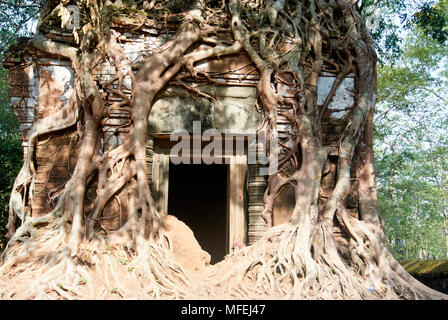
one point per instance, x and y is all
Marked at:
(109, 94)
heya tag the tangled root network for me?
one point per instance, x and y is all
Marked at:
(62, 254)
(278, 266)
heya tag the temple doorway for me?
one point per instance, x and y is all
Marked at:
(198, 196)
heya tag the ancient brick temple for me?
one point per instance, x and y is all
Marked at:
(222, 202)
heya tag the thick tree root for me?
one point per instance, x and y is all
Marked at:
(278, 266)
(42, 268)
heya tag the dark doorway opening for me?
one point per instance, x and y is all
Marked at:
(198, 196)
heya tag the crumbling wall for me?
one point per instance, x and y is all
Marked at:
(39, 86)
(23, 92)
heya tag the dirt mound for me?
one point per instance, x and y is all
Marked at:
(186, 249)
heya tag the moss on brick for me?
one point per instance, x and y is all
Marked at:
(430, 269)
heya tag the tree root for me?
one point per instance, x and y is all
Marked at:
(107, 268)
(278, 266)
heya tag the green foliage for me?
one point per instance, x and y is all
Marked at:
(16, 17)
(413, 203)
(388, 22)
(411, 146)
(11, 153)
(381, 17)
(432, 19)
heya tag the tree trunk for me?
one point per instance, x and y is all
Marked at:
(445, 231)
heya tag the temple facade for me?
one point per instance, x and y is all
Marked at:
(205, 164)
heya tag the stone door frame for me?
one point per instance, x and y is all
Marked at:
(158, 161)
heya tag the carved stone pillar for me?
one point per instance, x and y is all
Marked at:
(160, 179)
(236, 214)
(149, 160)
(256, 188)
